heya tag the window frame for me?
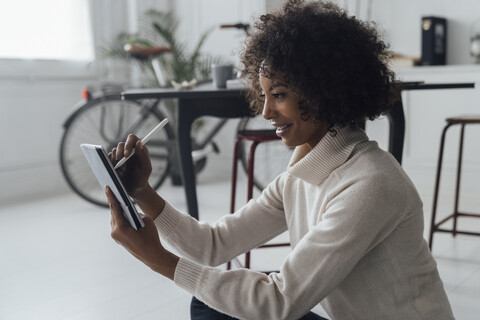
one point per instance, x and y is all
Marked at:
(54, 69)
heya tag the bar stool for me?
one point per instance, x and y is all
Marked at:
(256, 137)
(436, 226)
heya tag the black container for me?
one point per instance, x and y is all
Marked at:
(434, 41)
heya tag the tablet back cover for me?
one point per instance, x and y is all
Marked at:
(102, 168)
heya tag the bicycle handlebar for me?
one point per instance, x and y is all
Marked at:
(242, 26)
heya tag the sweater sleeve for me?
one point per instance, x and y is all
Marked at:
(357, 217)
(213, 244)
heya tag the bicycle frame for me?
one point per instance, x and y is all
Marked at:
(198, 144)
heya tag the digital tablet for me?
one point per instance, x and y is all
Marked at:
(103, 169)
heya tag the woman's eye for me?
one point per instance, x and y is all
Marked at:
(278, 95)
(261, 97)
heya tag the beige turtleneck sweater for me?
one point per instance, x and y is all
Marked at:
(356, 228)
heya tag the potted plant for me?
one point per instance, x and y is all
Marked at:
(159, 29)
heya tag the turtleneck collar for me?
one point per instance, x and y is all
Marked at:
(315, 165)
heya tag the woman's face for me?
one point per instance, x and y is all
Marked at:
(281, 108)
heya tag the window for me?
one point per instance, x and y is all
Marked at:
(46, 30)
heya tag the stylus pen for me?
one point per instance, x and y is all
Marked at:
(144, 141)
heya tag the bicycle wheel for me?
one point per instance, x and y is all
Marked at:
(271, 158)
(106, 121)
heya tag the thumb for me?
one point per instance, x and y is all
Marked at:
(115, 208)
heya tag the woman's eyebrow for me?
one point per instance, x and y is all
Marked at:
(276, 85)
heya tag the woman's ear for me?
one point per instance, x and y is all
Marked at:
(305, 112)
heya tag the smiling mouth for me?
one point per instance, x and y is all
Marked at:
(282, 129)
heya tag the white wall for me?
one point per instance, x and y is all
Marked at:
(201, 15)
(35, 102)
(32, 113)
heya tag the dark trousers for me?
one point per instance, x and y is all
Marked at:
(200, 311)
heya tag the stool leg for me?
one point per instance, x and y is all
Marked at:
(247, 260)
(234, 175)
(251, 165)
(437, 185)
(234, 183)
(457, 187)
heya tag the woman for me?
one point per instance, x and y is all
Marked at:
(354, 218)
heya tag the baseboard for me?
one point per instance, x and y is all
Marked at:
(423, 176)
(25, 183)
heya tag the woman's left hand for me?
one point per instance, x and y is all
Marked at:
(143, 243)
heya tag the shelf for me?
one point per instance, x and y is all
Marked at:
(467, 68)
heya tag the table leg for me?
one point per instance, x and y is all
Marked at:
(396, 120)
(184, 147)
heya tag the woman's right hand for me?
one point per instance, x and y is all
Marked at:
(136, 171)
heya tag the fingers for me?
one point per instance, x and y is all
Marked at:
(111, 155)
(117, 153)
(120, 151)
(129, 144)
(124, 149)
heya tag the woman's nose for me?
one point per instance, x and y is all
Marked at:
(267, 110)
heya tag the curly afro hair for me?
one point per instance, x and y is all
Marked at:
(336, 64)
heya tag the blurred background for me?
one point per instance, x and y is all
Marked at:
(52, 49)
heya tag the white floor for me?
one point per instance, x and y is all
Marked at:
(59, 262)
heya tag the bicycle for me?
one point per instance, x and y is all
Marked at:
(105, 119)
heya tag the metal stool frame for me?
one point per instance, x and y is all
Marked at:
(257, 137)
(436, 226)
